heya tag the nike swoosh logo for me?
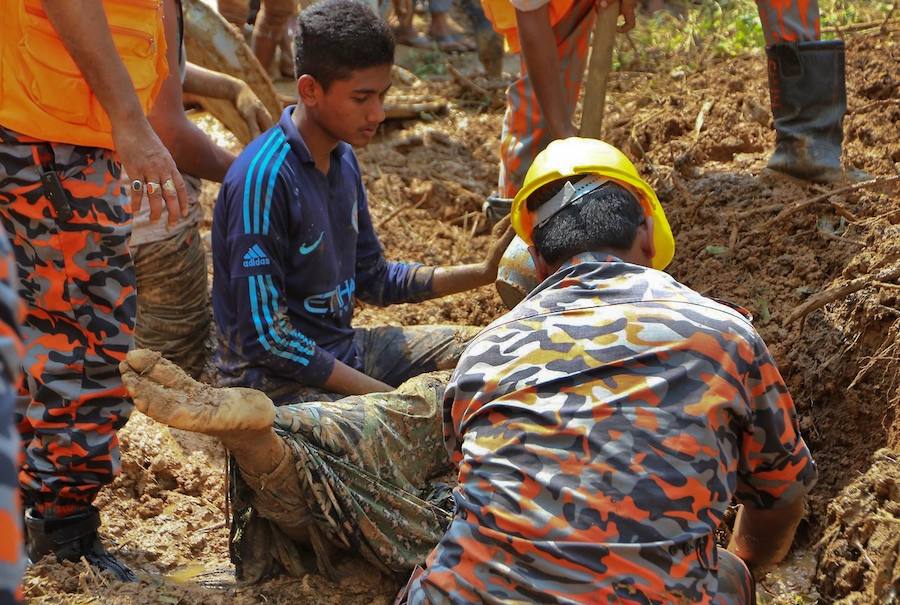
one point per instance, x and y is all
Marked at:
(304, 249)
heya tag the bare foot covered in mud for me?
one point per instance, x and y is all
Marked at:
(164, 392)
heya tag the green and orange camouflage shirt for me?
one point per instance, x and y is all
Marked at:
(602, 428)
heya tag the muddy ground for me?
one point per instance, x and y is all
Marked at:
(771, 244)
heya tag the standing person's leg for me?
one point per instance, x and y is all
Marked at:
(172, 299)
(12, 562)
(271, 23)
(77, 281)
(789, 20)
(235, 12)
(439, 28)
(395, 354)
(807, 89)
(489, 42)
(524, 132)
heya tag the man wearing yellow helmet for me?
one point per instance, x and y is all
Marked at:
(603, 426)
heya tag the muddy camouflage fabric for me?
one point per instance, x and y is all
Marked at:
(601, 429)
(77, 281)
(369, 464)
(12, 561)
(173, 315)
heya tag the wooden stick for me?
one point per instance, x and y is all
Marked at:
(403, 209)
(838, 238)
(464, 218)
(858, 27)
(868, 106)
(466, 82)
(394, 111)
(824, 197)
(833, 294)
(604, 41)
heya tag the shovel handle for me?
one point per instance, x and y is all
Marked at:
(594, 104)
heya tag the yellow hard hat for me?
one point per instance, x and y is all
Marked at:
(569, 157)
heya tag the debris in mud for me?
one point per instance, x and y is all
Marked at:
(859, 555)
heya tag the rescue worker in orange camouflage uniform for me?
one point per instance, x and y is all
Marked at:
(806, 79)
(603, 426)
(12, 563)
(77, 79)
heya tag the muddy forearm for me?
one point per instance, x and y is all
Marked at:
(460, 278)
(762, 537)
(207, 83)
(347, 381)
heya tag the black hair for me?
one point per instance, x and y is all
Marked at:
(606, 219)
(336, 37)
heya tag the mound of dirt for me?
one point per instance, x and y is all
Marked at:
(859, 554)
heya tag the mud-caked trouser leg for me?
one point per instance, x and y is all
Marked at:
(363, 462)
(12, 561)
(366, 463)
(364, 466)
(395, 354)
(525, 131)
(77, 281)
(172, 299)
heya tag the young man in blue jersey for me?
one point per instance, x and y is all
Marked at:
(293, 243)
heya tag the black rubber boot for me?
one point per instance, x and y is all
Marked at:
(70, 538)
(809, 100)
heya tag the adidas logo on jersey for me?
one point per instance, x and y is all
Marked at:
(256, 257)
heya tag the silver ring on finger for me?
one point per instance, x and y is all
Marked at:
(137, 185)
(169, 187)
(152, 187)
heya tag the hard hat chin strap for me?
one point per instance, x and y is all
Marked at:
(568, 195)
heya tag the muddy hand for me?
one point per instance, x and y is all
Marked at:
(252, 110)
(502, 234)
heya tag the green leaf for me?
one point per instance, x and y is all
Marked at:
(764, 315)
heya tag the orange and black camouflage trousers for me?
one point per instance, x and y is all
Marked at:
(77, 281)
(12, 559)
(525, 133)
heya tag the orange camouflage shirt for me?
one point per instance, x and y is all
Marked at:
(601, 429)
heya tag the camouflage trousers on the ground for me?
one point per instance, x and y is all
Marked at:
(12, 560)
(173, 314)
(370, 466)
(70, 238)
